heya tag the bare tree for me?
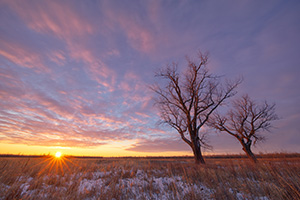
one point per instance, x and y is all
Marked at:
(187, 100)
(245, 121)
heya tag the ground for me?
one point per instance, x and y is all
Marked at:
(149, 178)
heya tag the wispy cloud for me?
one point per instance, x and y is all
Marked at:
(159, 145)
(52, 17)
(63, 21)
(140, 33)
(22, 55)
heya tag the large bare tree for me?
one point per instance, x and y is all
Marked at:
(245, 121)
(187, 100)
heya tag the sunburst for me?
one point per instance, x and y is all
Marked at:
(59, 162)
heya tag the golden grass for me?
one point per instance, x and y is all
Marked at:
(144, 178)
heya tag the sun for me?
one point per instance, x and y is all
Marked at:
(58, 154)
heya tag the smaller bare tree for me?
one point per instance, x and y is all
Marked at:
(245, 121)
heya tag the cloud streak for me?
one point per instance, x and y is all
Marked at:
(77, 74)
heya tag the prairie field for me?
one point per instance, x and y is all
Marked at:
(149, 178)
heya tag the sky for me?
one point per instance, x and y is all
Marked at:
(75, 75)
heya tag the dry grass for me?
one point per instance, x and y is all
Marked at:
(35, 178)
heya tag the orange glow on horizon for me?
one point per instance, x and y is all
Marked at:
(115, 149)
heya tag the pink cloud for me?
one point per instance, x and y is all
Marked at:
(159, 145)
(142, 115)
(131, 82)
(60, 19)
(58, 57)
(32, 126)
(39, 118)
(54, 17)
(139, 35)
(22, 55)
(94, 66)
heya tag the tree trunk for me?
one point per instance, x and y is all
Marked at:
(247, 150)
(197, 152)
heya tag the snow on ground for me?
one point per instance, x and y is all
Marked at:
(241, 196)
(143, 186)
(139, 184)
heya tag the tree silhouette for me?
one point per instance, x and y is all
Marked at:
(245, 121)
(187, 100)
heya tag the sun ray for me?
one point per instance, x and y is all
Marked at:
(56, 163)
